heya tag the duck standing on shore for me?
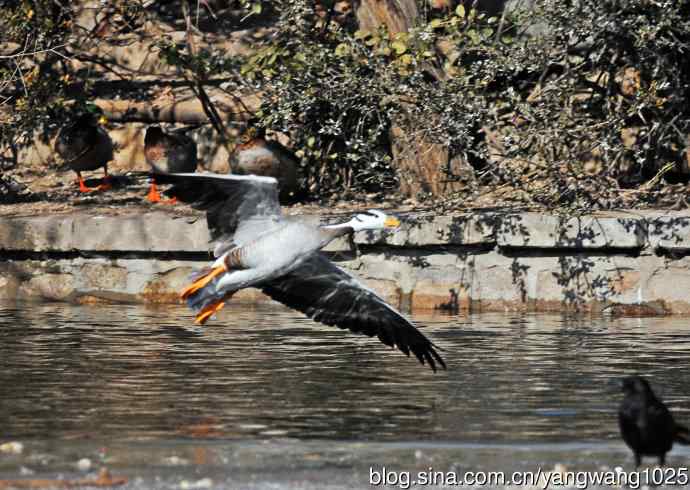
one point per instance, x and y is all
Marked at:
(256, 246)
(84, 145)
(255, 155)
(168, 153)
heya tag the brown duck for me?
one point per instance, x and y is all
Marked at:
(168, 153)
(257, 156)
(84, 145)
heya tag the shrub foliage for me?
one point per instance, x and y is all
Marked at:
(579, 103)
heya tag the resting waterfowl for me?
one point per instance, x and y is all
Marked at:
(256, 246)
(168, 153)
(84, 145)
(255, 155)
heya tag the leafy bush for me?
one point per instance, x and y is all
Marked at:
(580, 103)
(31, 90)
(581, 98)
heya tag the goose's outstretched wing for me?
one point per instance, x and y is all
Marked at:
(330, 295)
(238, 207)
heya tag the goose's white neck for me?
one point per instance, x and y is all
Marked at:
(369, 220)
(355, 225)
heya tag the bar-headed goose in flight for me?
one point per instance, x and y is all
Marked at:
(256, 246)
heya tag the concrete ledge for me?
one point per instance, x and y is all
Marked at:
(670, 233)
(151, 232)
(490, 261)
(585, 232)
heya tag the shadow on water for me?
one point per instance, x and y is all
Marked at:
(268, 396)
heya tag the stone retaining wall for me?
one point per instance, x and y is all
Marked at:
(628, 263)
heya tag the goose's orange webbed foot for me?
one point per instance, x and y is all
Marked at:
(208, 311)
(202, 281)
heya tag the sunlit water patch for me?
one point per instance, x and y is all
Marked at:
(264, 398)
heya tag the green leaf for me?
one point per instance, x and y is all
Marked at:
(342, 49)
(460, 11)
(436, 23)
(406, 59)
(399, 47)
(257, 8)
(403, 37)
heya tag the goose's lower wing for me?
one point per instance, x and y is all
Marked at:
(330, 295)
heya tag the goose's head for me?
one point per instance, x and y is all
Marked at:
(373, 220)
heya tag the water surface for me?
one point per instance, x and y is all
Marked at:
(265, 398)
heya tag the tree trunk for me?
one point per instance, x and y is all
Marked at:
(427, 168)
(420, 163)
(396, 15)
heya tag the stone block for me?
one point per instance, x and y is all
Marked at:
(388, 290)
(102, 276)
(430, 295)
(151, 232)
(493, 277)
(53, 287)
(537, 230)
(39, 233)
(165, 287)
(670, 232)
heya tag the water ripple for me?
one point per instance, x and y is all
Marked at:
(130, 372)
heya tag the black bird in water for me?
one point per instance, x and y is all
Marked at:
(646, 424)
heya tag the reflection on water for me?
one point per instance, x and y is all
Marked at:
(132, 376)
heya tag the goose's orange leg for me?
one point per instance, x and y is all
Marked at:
(202, 281)
(210, 310)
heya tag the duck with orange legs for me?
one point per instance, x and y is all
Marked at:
(84, 146)
(172, 152)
